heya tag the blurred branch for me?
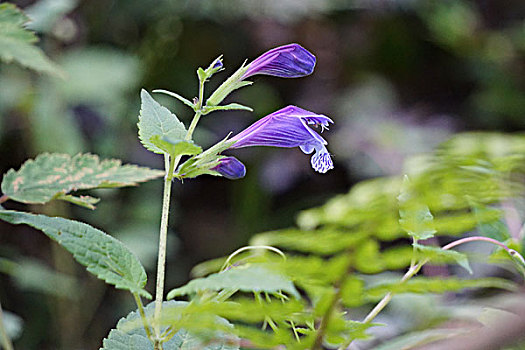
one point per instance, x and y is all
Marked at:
(6, 342)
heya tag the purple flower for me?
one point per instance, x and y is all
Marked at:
(288, 127)
(288, 61)
(231, 168)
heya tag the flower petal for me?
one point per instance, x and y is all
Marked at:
(288, 127)
(321, 160)
(288, 61)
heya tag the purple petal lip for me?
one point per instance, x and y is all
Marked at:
(231, 168)
(288, 61)
(288, 127)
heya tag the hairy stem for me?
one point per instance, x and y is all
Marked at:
(161, 263)
(140, 306)
(6, 342)
(3, 198)
(170, 165)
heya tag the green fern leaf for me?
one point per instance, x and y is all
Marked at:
(248, 278)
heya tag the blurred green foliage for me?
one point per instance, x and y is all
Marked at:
(398, 77)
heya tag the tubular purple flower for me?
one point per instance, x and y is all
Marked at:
(231, 168)
(288, 61)
(288, 127)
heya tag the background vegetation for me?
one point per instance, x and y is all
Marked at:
(397, 77)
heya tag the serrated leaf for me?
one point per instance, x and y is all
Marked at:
(247, 278)
(51, 176)
(130, 333)
(438, 255)
(103, 255)
(228, 107)
(155, 119)
(16, 42)
(175, 148)
(435, 285)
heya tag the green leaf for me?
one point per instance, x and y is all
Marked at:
(438, 255)
(130, 333)
(51, 176)
(246, 278)
(435, 285)
(496, 229)
(16, 42)
(325, 241)
(103, 255)
(155, 119)
(415, 218)
(176, 148)
(228, 107)
(178, 97)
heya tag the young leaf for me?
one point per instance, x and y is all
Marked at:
(130, 333)
(103, 255)
(177, 96)
(414, 217)
(155, 119)
(175, 148)
(249, 278)
(228, 107)
(51, 176)
(438, 255)
(16, 42)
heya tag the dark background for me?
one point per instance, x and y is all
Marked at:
(397, 77)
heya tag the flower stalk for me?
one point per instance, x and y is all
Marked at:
(170, 166)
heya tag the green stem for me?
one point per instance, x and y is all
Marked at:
(161, 263)
(386, 299)
(140, 306)
(318, 342)
(6, 342)
(170, 165)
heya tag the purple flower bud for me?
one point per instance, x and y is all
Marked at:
(288, 127)
(217, 64)
(231, 168)
(288, 61)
